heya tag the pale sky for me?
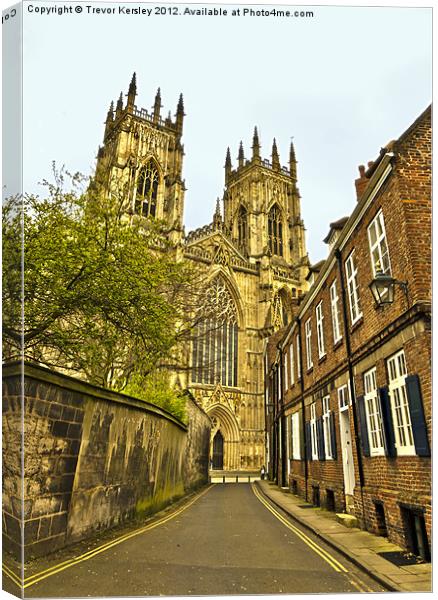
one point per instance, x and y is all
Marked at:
(342, 83)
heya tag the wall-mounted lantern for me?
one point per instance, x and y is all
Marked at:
(383, 287)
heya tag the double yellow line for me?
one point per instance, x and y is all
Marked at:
(33, 579)
(336, 565)
(331, 560)
(15, 578)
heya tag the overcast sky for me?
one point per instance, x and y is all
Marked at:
(342, 83)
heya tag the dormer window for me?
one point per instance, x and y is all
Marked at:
(335, 231)
(147, 190)
(275, 231)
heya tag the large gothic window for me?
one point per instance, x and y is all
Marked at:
(147, 190)
(242, 226)
(214, 357)
(275, 231)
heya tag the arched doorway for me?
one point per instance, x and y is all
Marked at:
(218, 451)
(225, 439)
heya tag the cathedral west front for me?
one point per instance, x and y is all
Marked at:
(253, 252)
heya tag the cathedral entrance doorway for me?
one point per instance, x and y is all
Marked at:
(218, 451)
(225, 439)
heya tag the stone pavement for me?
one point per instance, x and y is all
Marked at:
(361, 547)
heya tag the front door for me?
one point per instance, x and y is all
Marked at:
(347, 450)
(218, 451)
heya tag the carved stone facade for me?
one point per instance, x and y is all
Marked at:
(253, 251)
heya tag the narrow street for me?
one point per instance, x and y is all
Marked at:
(229, 540)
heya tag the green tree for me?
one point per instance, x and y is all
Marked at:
(88, 288)
(155, 388)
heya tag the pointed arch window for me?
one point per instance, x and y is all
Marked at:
(279, 312)
(147, 190)
(275, 231)
(214, 352)
(242, 226)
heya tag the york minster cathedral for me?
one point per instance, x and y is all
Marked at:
(254, 252)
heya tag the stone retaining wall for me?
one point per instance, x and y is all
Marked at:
(92, 458)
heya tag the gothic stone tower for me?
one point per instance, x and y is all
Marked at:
(253, 254)
(262, 206)
(141, 159)
(257, 263)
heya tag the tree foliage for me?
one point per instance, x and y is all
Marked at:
(155, 388)
(102, 293)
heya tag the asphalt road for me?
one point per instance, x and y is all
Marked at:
(227, 542)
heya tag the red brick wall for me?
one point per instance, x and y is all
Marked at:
(405, 200)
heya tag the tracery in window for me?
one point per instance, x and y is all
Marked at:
(147, 190)
(275, 231)
(242, 226)
(214, 356)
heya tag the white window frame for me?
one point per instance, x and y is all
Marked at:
(296, 441)
(288, 434)
(343, 397)
(313, 432)
(320, 330)
(353, 288)
(373, 414)
(336, 316)
(379, 252)
(291, 365)
(298, 358)
(286, 374)
(326, 417)
(308, 330)
(401, 418)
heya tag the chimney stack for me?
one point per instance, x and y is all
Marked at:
(361, 183)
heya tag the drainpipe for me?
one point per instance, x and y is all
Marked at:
(338, 255)
(279, 417)
(279, 428)
(282, 421)
(303, 416)
(274, 424)
(265, 411)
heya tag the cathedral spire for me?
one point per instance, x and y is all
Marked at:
(132, 92)
(217, 217)
(180, 114)
(275, 158)
(241, 156)
(228, 165)
(157, 106)
(109, 117)
(119, 105)
(255, 145)
(292, 162)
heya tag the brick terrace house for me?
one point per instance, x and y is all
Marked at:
(348, 386)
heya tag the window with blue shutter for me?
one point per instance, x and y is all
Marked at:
(416, 410)
(373, 413)
(401, 418)
(333, 436)
(308, 440)
(388, 429)
(363, 427)
(320, 438)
